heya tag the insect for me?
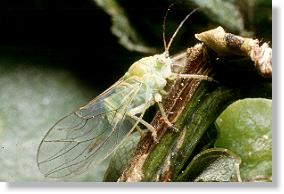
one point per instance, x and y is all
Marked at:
(90, 134)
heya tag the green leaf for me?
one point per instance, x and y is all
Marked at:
(213, 165)
(224, 12)
(121, 27)
(246, 128)
(33, 98)
(1, 126)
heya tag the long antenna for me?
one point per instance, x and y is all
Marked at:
(164, 27)
(178, 28)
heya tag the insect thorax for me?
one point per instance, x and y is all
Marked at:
(152, 70)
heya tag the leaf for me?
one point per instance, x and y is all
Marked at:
(212, 165)
(246, 129)
(34, 97)
(122, 28)
(1, 126)
(224, 12)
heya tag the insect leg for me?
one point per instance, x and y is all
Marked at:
(192, 76)
(137, 109)
(158, 99)
(147, 125)
(141, 131)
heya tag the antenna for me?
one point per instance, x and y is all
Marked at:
(178, 28)
(164, 28)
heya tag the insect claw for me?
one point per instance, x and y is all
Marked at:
(174, 128)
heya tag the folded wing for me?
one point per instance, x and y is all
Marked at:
(88, 135)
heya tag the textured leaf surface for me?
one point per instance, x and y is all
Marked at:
(246, 129)
(225, 12)
(213, 165)
(32, 100)
(122, 28)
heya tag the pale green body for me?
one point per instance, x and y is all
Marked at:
(147, 77)
(94, 131)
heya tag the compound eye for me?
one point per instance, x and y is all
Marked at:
(161, 61)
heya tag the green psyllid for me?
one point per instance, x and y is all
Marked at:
(90, 134)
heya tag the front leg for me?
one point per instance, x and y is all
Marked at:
(191, 76)
(158, 100)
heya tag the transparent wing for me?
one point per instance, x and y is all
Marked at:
(90, 134)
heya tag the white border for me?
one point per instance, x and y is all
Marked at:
(156, 188)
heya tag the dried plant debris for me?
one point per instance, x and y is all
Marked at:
(227, 44)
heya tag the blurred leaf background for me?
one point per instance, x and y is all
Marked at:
(56, 55)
